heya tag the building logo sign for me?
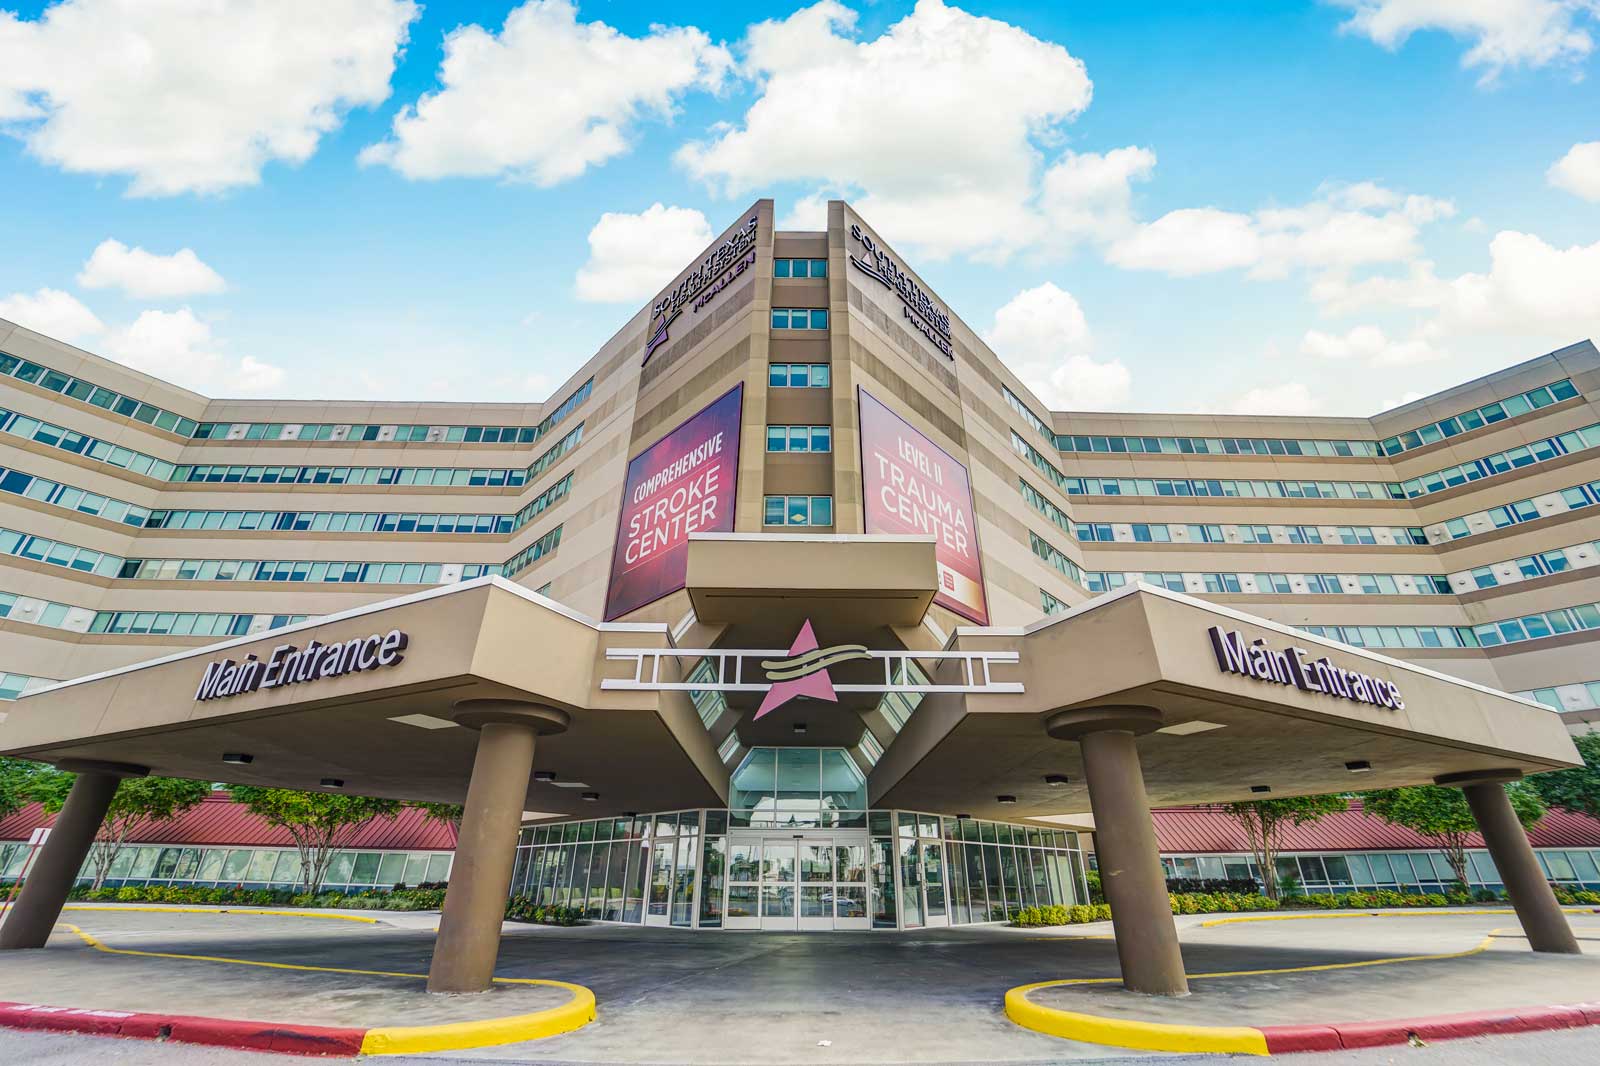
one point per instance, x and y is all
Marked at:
(1255, 660)
(289, 665)
(910, 485)
(802, 670)
(703, 284)
(684, 483)
(925, 316)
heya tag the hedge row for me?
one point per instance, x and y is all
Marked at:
(524, 909)
(399, 899)
(1233, 902)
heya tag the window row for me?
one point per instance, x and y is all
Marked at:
(1582, 696)
(1551, 503)
(799, 318)
(186, 623)
(1208, 533)
(1057, 559)
(1278, 584)
(533, 552)
(1397, 636)
(352, 433)
(81, 444)
(253, 867)
(1552, 623)
(1479, 417)
(799, 438)
(1412, 872)
(303, 570)
(1512, 571)
(797, 511)
(799, 268)
(1051, 605)
(15, 685)
(1278, 446)
(83, 501)
(799, 375)
(1499, 463)
(90, 393)
(1016, 403)
(59, 553)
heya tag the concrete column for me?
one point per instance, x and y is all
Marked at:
(1125, 840)
(28, 922)
(1507, 841)
(486, 848)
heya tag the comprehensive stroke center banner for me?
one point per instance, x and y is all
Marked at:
(911, 485)
(684, 483)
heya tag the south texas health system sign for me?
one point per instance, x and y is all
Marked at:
(911, 485)
(682, 484)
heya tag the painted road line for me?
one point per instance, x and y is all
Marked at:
(220, 910)
(577, 1012)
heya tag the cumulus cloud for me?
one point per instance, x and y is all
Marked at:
(1372, 346)
(1043, 335)
(1289, 398)
(545, 99)
(1578, 172)
(1503, 33)
(51, 312)
(934, 128)
(114, 265)
(178, 346)
(1345, 227)
(1089, 196)
(632, 256)
(181, 96)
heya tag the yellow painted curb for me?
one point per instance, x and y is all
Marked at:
(222, 910)
(1419, 913)
(420, 1039)
(1162, 1036)
(1123, 1032)
(417, 1039)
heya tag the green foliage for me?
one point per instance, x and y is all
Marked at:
(1264, 821)
(156, 799)
(524, 909)
(401, 899)
(23, 781)
(1578, 789)
(1096, 893)
(443, 813)
(1236, 902)
(319, 823)
(1442, 815)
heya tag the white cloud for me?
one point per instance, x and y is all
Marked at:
(547, 98)
(1290, 398)
(114, 265)
(1043, 335)
(182, 96)
(177, 346)
(1189, 241)
(1087, 196)
(51, 312)
(1578, 171)
(1504, 33)
(1531, 287)
(632, 256)
(1372, 346)
(933, 128)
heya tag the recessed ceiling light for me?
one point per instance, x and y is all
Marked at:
(333, 782)
(238, 758)
(1008, 800)
(544, 775)
(423, 721)
(1055, 780)
(800, 729)
(591, 797)
(1260, 788)
(963, 817)
(569, 784)
(1359, 766)
(1183, 729)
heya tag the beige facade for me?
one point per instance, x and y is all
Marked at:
(1443, 552)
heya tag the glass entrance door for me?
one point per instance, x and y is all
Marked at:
(778, 883)
(815, 881)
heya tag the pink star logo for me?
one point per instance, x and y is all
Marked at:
(818, 685)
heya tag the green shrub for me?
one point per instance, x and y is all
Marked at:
(1096, 893)
(525, 909)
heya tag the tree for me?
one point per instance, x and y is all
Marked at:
(1264, 821)
(1578, 789)
(318, 823)
(443, 813)
(1442, 815)
(138, 799)
(23, 781)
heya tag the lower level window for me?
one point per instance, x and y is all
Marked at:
(799, 438)
(799, 511)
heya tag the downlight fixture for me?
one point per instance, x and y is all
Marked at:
(1006, 800)
(333, 782)
(1260, 788)
(1359, 766)
(591, 797)
(238, 758)
(1056, 780)
(545, 776)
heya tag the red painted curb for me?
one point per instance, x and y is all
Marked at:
(1335, 1036)
(188, 1029)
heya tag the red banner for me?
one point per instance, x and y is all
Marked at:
(682, 484)
(911, 485)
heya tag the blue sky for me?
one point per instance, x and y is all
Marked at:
(1271, 207)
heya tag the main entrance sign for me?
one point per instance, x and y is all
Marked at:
(716, 272)
(925, 316)
(289, 665)
(911, 485)
(684, 483)
(1255, 660)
